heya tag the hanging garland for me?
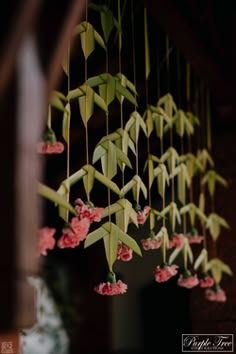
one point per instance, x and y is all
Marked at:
(174, 171)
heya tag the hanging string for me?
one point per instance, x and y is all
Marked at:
(188, 104)
(120, 71)
(68, 136)
(209, 147)
(208, 116)
(85, 79)
(171, 128)
(134, 77)
(147, 71)
(107, 133)
(181, 138)
(161, 145)
(202, 145)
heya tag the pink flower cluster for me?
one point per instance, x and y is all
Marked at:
(217, 295)
(206, 282)
(111, 289)
(45, 147)
(124, 253)
(151, 243)
(177, 241)
(74, 233)
(46, 240)
(164, 273)
(88, 211)
(195, 239)
(142, 214)
(187, 280)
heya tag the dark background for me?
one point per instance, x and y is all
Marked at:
(203, 34)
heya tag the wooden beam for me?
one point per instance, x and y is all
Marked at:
(21, 23)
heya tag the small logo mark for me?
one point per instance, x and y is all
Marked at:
(223, 343)
(7, 348)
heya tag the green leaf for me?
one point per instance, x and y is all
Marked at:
(172, 158)
(168, 104)
(109, 154)
(130, 242)
(183, 180)
(182, 123)
(139, 185)
(218, 267)
(133, 126)
(107, 22)
(161, 120)
(107, 90)
(123, 216)
(174, 255)
(204, 159)
(163, 233)
(123, 80)
(123, 91)
(174, 215)
(111, 245)
(66, 123)
(211, 178)
(149, 121)
(99, 40)
(99, 101)
(88, 180)
(107, 182)
(88, 169)
(201, 259)
(55, 100)
(86, 32)
(162, 178)
(86, 103)
(113, 234)
(96, 80)
(192, 163)
(136, 184)
(75, 93)
(214, 224)
(95, 236)
(54, 197)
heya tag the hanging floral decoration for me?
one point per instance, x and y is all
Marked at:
(183, 228)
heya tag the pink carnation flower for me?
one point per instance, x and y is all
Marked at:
(45, 147)
(151, 244)
(176, 241)
(163, 274)
(46, 240)
(217, 295)
(195, 239)
(124, 253)
(73, 235)
(85, 211)
(142, 215)
(206, 282)
(188, 281)
(111, 289)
